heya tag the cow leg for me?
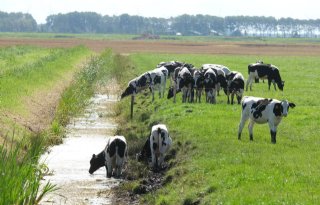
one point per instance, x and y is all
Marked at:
(269, 83)
(218, 88)
(274, 85)
(232, 97)
(239, 99)
(244, 118)
(250, 127)
(119, 163)
(249, 82)
(161, 159)
(273, 132)
(109, 168)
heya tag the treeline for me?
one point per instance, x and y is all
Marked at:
(204, 25)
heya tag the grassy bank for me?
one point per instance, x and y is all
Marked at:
(211, 166)
(20, 173)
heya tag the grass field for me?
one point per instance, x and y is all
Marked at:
(212, 166)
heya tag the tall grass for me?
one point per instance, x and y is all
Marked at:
(20, 174)
(211, 165)
(76, 96)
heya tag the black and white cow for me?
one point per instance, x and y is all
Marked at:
(158, 81)
(170, 66)
(235, 86)
(210, 83)
(198, 77)
(263, 110)
(183, 81)
(160, 143)
(137, 84)
(264, 71)
(112, 157)
(221, 71)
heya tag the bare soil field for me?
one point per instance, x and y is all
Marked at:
(154, 46)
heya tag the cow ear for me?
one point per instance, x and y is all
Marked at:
(93, 155)
(292, 105)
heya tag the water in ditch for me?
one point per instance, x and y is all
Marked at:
(69, 162)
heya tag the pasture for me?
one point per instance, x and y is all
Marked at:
(212, 166)
(208, 164)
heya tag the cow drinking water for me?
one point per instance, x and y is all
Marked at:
(112, 157)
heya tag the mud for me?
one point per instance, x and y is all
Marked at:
(68, 163)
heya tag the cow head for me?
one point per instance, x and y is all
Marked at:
(96, 162)
(128, 91)
(282, 109)
(170, 93)
(280, 85)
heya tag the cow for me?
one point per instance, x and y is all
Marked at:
(263, 110)
(183, 81)
(210, 82)
(158, 81)
(221, 71)
(198, 77)
(112, 157)
(160, 143)
(235, 86)
(170, 66)
(264, 71)
(137, 84)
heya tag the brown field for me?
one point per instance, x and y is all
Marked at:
(134, 46)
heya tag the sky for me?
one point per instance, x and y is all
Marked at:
(40, 9)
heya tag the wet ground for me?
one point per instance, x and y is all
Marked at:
(69, 162)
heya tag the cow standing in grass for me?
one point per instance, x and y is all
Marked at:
(221, 72)
(264, 71)
(183, 81)
(112, 157)
(235, 86)
(198, 77)
(210, 82)
(263, 110)
(158, 81)
(170, 66)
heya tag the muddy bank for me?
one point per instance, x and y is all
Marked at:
(69, 162)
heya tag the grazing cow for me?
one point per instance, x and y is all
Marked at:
(137, 84)
(263, 71)
(210, 82)
(158, 81)
(160, 142)
(263, 110)
(235, 86)
(112, 157)
(183, 81)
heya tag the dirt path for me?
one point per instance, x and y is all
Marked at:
(69, 162)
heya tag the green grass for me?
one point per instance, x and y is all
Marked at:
(212, 166)
(31, 69)
(20, 173)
